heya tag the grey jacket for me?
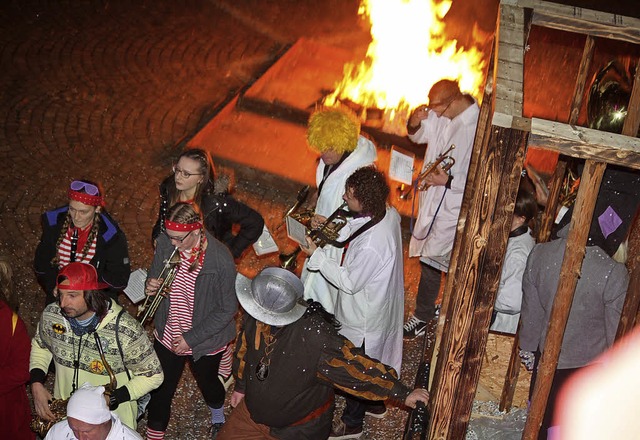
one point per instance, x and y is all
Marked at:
(596, 308)
(215, 297)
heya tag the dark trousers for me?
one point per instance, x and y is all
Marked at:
(428, 289)
(205, 372)
(560, 377)
(353, 414)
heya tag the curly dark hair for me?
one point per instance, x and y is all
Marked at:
(370, 188)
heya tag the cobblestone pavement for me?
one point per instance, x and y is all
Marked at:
(108, 90)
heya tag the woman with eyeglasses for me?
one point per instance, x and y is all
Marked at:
(193, 181)
(82, 231)
(195, 322)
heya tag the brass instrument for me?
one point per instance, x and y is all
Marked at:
(327, 232)
(420, 183)
(41, 426)
(59, 406)
(168, 274)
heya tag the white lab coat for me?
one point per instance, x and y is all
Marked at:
(436, 240)
(509, 296)
(370, 301)
(315, 286)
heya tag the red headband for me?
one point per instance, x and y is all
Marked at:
(85, 198)
(182, 227)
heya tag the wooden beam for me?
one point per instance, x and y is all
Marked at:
(510, 146)
(585, 143)
(509, 93)
(569, 273)
(581, 20)
(578, 91)
(483, 132)
(632, 121)
(632, 300)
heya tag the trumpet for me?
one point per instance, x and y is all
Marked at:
(168, 274)
(444, 161)
(327, 232)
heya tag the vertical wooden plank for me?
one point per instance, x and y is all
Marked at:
(548, 217)
(481, 139)
(511, 147)
(549, 214)
(511, 378)
(631, 306)
(632, 121)
(578, 92)
(569, 273)
(457, 323)
(632, 300)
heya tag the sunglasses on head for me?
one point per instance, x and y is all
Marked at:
(89, 188)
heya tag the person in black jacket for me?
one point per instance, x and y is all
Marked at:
(193, 180)
(82, 231)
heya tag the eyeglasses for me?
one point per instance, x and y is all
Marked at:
(185, 174)
(89, 188)
(178, 239)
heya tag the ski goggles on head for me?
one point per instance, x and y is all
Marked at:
(89, 188)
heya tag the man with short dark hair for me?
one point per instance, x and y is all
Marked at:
(74, 330)
(449, 119)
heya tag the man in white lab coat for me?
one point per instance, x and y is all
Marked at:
(370, 282)
(449, 119)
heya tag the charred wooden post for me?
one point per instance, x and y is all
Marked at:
(511, 146)
(632, 300)
(631, 308)
(569, 273)
(548, 217)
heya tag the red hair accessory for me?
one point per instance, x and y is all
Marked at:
(85, 198)
(182, 227)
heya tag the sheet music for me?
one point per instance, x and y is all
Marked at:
(401, 165)
(136, 286)
(296, 231)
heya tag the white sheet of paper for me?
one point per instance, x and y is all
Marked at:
(401, 165)
(136, 286)
(265, 244)
(296, 231)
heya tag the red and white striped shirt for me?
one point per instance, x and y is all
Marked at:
(182, 298)
(64, 251)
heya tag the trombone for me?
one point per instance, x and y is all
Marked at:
(168, 274)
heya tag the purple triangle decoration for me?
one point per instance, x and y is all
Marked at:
(609, 221)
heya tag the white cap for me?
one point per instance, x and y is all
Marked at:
(88, 405)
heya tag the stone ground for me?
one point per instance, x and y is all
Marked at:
(110, 90)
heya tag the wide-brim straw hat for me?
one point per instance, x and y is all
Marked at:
(274, 296)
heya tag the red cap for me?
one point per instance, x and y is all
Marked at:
(80, 276)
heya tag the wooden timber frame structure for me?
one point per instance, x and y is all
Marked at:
(502, 137)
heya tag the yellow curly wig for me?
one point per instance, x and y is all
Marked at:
(333, 128)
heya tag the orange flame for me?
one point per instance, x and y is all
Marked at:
(407, 55)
